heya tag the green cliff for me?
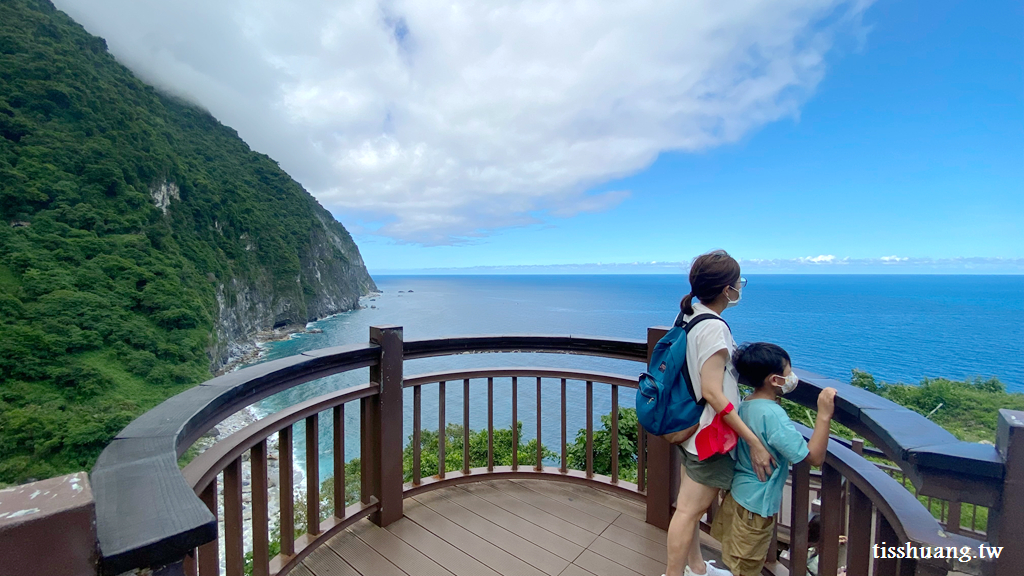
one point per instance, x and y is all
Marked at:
(142, 245)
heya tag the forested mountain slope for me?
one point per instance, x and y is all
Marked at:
(141, 244)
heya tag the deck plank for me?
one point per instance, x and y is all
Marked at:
(325, 562)
(550, 541)
(551, 490)
(602, 497)
(574, 570)
(627, 557)
(362, 557)
(637, 543)
(451, 558)
(301, 570)
(508, 541)
(601, 566)
(640, 528)
(568, 513)
(709, 546)
(502, 528)
(398, 551)
(483, 551)
(538, 516)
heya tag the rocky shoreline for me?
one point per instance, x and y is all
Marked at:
(253, 351)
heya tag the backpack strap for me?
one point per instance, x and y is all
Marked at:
(686, 369)
(700, 318)
(679, 319)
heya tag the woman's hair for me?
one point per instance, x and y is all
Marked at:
(757, 361)
(709, 273)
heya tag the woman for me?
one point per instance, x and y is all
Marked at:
(715, 284)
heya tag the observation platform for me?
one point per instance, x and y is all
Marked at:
(921, 487)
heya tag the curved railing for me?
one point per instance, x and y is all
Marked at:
(862, 502)
(543, 377)
(149, 513)
(226, 458)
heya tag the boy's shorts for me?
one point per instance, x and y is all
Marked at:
(715, 471)
(745, 537)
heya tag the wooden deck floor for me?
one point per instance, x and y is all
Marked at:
(501, 528)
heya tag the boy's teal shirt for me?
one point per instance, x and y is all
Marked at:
(772, 425)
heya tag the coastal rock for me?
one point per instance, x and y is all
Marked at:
(257, 308)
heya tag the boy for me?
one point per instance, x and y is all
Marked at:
(744, 522)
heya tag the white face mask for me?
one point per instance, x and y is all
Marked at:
(791, 381)
(739, 296)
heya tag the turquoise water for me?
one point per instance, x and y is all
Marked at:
(899, 328)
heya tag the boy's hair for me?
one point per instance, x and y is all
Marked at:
(755, 362)
(814, 529)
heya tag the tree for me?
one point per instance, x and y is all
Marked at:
(628, 441)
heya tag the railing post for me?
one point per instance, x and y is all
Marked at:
(52, 534)
(1005, 527)
(831, 520)
(662, 460)
(382, 432)
(799, 514)
(885, 536)
(858, 549)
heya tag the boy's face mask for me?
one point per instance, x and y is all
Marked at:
(790, 384)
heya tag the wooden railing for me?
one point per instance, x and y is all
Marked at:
(151, 514)
(542, 377)
(226, 458)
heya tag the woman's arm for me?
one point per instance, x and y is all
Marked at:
(712, 375)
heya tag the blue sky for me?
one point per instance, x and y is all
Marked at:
(528, 135)
(912, 146)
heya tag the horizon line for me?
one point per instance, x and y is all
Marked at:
(824, 264)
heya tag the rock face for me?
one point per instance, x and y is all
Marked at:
(332, 279)
(163, 194)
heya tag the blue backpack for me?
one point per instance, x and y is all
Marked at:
(665, 400)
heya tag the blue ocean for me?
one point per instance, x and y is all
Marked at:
(898, 328)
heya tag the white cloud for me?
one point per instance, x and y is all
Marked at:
(892, 259)
(826, 259)
(432, 121)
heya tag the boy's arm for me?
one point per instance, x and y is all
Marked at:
(818, 444)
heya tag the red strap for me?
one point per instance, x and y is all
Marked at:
(726, 410)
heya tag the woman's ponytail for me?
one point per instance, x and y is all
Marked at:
(686, 305)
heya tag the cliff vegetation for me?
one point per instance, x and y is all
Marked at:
(142, 245)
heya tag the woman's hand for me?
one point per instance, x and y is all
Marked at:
(762, 460)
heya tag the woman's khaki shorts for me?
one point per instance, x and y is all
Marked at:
(745, 537)
(715, 471)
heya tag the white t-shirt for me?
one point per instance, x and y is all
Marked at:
(702, 342)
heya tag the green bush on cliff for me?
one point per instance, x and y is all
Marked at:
(967, 408)
(107, 302)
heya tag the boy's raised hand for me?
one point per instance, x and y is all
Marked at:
(818, 444)
(827, 403)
